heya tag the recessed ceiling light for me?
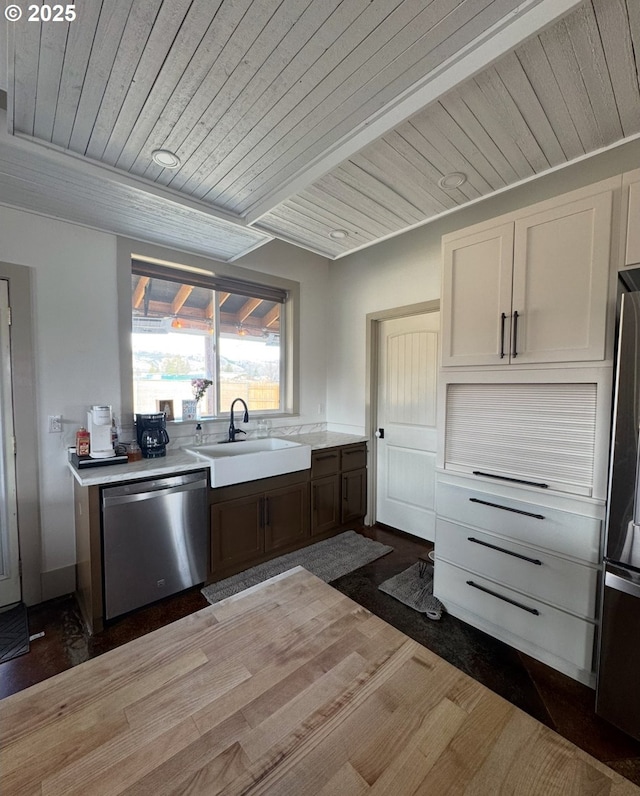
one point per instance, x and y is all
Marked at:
(453, 180)
(165, 158)
(338, 234)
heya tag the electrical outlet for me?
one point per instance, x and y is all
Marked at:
(55, 424)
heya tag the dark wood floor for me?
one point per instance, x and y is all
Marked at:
(552, 698)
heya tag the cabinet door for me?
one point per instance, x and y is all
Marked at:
(237, 535)
(286, 516)
(354, 495)
(560, 282)
(632, 247)
(476, 296)
(325, 504)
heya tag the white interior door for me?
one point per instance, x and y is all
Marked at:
(9, 555)
(406, 412)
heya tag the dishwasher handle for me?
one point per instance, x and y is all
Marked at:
(150, 494)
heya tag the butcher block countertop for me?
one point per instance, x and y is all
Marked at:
(287, 688)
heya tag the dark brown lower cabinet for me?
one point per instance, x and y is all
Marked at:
(237, 534)
(258, 520)
(354, 495)
(325, 504)
(251, 520)
(338, 487)
(286, 516)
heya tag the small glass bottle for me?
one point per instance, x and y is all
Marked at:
(198, 435)
(134, 453)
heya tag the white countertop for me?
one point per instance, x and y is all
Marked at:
(325, 439)
(179, 461)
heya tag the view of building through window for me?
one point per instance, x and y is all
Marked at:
(182, 332)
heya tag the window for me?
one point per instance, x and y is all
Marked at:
(188, 326)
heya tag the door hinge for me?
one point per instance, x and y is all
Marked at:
(9, 316)
(20, 567)
(15, 447)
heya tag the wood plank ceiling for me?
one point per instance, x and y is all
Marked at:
(297, 118)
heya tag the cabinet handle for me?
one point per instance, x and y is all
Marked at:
(507, 508)
(535, 561)
(515, 480)
(267, 518)
(503, 319)
(514, 353)
(326, 456)
(345, 487)
(502, 597)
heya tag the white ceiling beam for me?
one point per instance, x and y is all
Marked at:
(528, 19)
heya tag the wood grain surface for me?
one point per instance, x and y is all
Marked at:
(287, 688)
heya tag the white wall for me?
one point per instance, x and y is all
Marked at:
(400, 272)
(76, 350)
(406, 270)
(312, 271)
(75, 361)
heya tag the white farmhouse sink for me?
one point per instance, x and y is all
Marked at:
(235, 462)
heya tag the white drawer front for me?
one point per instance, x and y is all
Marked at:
(559, 531)
(550, 629)
(542, 575)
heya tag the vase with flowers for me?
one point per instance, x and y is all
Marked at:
(200, 386)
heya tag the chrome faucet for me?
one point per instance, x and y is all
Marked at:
(232, 429)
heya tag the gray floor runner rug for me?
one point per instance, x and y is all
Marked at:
(329, 559)
(415, 590)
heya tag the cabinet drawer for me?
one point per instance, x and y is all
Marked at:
(353, 457)
(324, 462)
(512, 614)
(562, 532)
(567, 584)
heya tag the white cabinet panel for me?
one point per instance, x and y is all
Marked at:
(546, 577)
(530, 287)
(477, 296)
(543, 434)
(560, 281)
(554, 636)
(632, 248)
(569, 534)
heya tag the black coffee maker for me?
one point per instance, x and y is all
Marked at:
(151, 431)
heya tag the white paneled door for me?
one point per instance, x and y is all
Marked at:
(9, 556)
(406, 415)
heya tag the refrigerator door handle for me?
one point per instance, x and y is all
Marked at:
(621, 584)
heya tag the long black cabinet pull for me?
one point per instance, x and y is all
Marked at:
(503, 319)
(325, 456)
(515, 480)
(503, 550)
(507, 508)
(502, 597)
(514, 353)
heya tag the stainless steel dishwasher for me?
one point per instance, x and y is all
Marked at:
(154, 540)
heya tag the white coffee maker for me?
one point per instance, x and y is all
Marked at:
(99, 420)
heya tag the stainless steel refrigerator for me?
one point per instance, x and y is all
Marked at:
(618, 684)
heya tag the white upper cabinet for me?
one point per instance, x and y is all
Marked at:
(631, 182)
(531, 287)
(476, 302)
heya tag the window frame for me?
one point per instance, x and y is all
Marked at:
(199, 268)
